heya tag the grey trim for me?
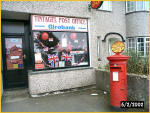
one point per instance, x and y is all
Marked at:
(135, 12)
(104, 10)
(30, 72)
(98, 48)
(136, 36)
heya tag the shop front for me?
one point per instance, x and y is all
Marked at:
(59, 42)
(15, 53)
(49, 54)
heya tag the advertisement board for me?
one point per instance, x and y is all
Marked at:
(54, 23)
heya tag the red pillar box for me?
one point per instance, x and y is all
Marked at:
(118, 79)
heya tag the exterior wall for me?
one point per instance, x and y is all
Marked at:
(48, 82)
(100, 22)
(137, 24)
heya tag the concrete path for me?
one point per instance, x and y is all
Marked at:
(84, 100)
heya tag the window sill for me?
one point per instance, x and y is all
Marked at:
(136, 12)
(103, 10)
(30, 72)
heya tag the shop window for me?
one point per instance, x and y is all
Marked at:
(132, 6)
(107, 6)
(140, 44)
(60, 49)
(60, 42)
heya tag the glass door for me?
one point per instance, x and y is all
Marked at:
(15, 73)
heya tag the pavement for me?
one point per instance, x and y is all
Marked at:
(83, 100)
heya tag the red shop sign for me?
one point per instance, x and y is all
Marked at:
(96, 4)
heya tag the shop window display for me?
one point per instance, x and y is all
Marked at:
(60, 49)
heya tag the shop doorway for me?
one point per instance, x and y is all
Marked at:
(14, 55)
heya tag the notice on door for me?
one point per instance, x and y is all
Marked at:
(14, 53)
(115, 76)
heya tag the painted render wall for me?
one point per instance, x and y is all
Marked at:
(137, 24)
(50, 81)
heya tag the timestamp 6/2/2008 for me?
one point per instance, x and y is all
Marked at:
(132, 104)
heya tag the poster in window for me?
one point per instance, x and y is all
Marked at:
(61, 63)
(39, 66)
(53, 60)
(14, 55)
(64, 40)
(38, 58)
(38, 61)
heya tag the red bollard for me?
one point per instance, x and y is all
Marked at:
(118, 79)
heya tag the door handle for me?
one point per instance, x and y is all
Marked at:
(24, 56)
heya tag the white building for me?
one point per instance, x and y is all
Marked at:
(25, 49)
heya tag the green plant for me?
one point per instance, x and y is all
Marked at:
(137, 64)
(99, 66)
(106, 67)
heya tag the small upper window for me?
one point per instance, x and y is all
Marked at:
(107, 6)
(132, 6)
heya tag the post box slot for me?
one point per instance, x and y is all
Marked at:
(115, 67)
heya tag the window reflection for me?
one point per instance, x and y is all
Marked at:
(132, 6)
(60, 49)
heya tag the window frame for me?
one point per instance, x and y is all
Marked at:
(33, 54)
(109, 6)
(66, 68)
(144, 8)
(136, 47)
(128, 44)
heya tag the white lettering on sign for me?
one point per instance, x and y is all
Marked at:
(14, 57)
(53, 23)
(14, 40)
(115, 76)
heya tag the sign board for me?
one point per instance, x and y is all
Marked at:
(54, 23)
(115, 76)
